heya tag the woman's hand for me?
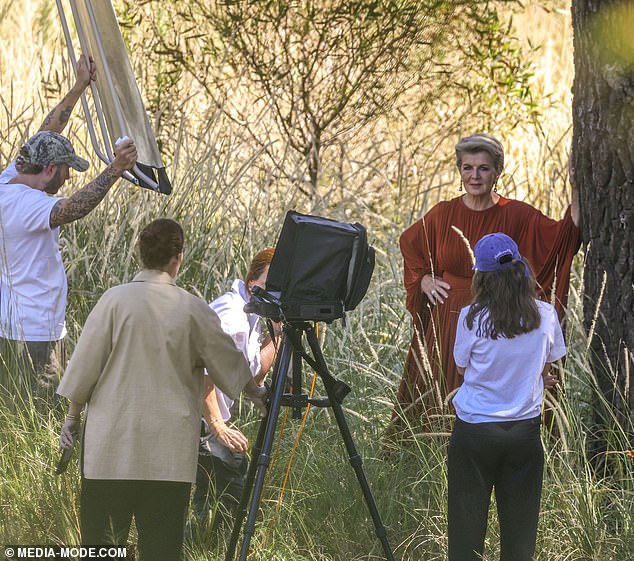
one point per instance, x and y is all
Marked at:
(435, 289)
(72, 425)
(231, 438)
(550, 380)
(69, 433)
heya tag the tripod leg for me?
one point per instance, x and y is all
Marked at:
(296, 387)
(246, 493)
(257, 471)
(355, 460)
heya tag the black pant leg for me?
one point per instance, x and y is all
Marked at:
(204, 490)
(518, 491)
(160, 514)
(229, 484)
(105, 511)
(219, 485)
(472, 465)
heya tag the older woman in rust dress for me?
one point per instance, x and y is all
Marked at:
(437, 270)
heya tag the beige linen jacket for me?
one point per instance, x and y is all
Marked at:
(138, 365)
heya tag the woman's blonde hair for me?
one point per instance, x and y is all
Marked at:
(481, 142)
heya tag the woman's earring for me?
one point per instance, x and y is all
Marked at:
(460, 188)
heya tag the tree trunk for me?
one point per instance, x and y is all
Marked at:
(603, 161)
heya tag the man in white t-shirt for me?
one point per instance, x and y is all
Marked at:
(32, 277)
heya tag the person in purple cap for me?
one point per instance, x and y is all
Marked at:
(506, 341)
(32, 277)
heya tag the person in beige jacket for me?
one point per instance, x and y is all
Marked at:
(138, 368)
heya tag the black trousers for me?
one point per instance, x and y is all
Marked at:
(220, 480)
(509, 458)
(159, 509)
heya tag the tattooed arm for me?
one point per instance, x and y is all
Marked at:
(56, 120)
(80, 203)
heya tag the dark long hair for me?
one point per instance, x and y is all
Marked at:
(504, 302)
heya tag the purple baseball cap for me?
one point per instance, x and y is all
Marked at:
(494, 252)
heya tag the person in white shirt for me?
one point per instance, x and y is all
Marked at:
(222, 463)
(33, 286)
(505, 344)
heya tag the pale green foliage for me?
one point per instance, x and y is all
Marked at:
(312, 82)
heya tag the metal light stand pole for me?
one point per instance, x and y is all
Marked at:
(291, 353)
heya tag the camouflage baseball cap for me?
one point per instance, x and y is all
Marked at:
(48, 147)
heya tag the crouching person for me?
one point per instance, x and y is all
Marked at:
(138, 369)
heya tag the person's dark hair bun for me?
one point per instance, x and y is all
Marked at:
(159, 241)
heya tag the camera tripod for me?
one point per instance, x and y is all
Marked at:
(290, 355)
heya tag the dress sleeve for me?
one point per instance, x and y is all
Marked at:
(416, 243)
(550, 246)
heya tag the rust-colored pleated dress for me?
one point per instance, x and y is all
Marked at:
(432, 246)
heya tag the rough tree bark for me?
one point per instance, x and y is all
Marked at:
(603, 163)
